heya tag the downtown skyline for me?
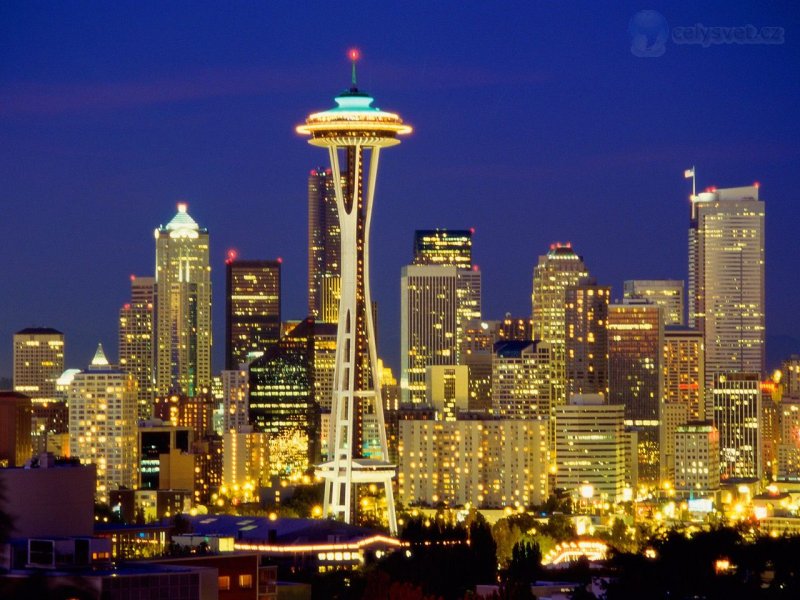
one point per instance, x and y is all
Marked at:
(524, 143)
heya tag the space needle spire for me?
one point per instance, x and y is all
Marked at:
(355, 132)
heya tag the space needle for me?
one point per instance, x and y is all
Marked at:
(355, 132)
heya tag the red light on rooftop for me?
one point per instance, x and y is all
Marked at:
(756, 184)
(354, 54)
(232, 254)
(126, 306)
(280, 260)
(313, 172)
(475, 268)
(472, 230)
(133, 277)
(568, 244)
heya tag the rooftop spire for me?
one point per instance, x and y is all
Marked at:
(99, 359)
(354, 55)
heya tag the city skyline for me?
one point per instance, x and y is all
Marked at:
(604, 171)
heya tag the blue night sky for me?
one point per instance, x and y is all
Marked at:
(534, 122)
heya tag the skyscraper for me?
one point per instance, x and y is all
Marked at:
(360, 131)
(726, 279)
(183, 306)
(443, 247)
(666, 293)
(586, 318)
(38, 363)
(737, 415)
(324, 244)
(102, 423)
(636, 378)
(252, 308)
(557, 270)
(15, 429)
(136, 351)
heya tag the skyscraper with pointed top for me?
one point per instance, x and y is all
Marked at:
(356, 132)
(102, 423)
(183, 306)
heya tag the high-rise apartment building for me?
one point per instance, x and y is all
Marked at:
(324, 245)
(102, 424)
(591, 447)
(136, 341)
(521, 375)
(636, 377)
(666, 293)
(789, 440)
(252, 308)
(737, 416)
(436, 303)
(556, 271)
(790, 376)
(443, 247)
(183, 306)
(586, 318)
(726, 279)
(490, 463)
(477, 352)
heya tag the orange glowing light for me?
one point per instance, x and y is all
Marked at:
(354, 54)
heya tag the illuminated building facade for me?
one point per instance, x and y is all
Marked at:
(515, 328)
(789, 441)
(38, 362)
(790, 370)
(136, 339)
(591, 447)
(586, 343)
(160, 448)
(556, 271)
(489, 463)
(636, 377)
(358, 131)
(521, 375)
(245, 463)
(194, 412)
(252, 308)
(697, 459)
(236, 399)
(477, 351)
(183, 307)
(102, 424)
(684, 370)
(436, 305)
(666, 293)
(726, 279)
(447, 390)
(324, 245)
(737, 415)
(283, 400)
(443, 247)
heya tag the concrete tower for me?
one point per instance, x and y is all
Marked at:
(358, 131)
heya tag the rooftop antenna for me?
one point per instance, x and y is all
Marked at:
(354, 55)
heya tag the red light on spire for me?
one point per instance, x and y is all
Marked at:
(353, 54)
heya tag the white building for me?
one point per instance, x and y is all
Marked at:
(737, 416)
(521, 380)
(447, 389)
(666, 293)
(726, 279)
(102, 424)
(236, 398)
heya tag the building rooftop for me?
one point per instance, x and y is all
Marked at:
(39, 331)
(513, 348)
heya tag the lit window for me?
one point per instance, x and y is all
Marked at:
(224, 583)
(245, 581)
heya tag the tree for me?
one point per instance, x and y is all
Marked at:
(526, 563)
